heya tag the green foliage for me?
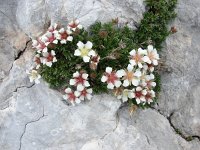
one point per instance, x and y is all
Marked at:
(153, 26)
(113, 44)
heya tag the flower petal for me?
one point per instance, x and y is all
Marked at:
(120, 73)
(150, 48)
(108, 70)
(126, 83)
(77, 53)
(85, 76)
(86, 58)
(130, 68)
(135, 82)
(110, 86)
(104, 78)
(80, 87)
(117, 83)
(146, 59)
(138, 73)
(76, 74)
(86, 84)
(92, 53)
(77, 93)
(88, 45)
(89, 91)
(138, 100)
(68, 90)
(80, 45)
(69, 38)
(72, 81)
(132, 53)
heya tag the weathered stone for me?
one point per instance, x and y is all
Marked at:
(180, 89)
(87, 11)
(12, 39)
(38, 119)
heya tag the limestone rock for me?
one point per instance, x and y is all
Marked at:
(180, 88)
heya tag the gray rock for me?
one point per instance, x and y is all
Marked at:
(12, 39)
(37, 119)
(40, 12)
(180, 89)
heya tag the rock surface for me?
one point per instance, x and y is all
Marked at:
(180, 97)
(34, 117)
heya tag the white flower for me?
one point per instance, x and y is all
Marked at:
(152, 56)
(34, 76)
(49, 58)
(71, 96)
(137, 57)
(39, 45)
(73, 25)
(53, 27)
(64, 36)
(149, 96)
(112, 78)
(139, 94)
(79, 80)
(85, 51)
(48, 38)
(125, 95)
(130, 76)
(148, 81)
(85, 94)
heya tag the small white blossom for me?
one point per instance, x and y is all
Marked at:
(49, 58)
(137, 58)
(53, 27)
(75, 24)
(34, 76)
(64, 36)
(148, 81)
(48, 38)
(85, 94)
(39, 45)
(112, 78)
(149, 96)
(130, 76)
(139, 94)
(125, 95)
(152, 56)
(72, 96)
(79, 80)
(85, 51)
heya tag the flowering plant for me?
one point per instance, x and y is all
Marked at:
(102, 59)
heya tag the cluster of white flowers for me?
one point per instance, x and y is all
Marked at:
(44, 45)
(82, 92)
(137, 81)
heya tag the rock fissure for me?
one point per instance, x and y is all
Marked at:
(28, 123)
(176, 130)
(22, 52)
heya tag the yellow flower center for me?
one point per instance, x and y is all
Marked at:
(125, 93)
(34, 74)
(84, 51)
(129, 76)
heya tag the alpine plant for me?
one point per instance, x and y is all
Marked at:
(135, 83)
